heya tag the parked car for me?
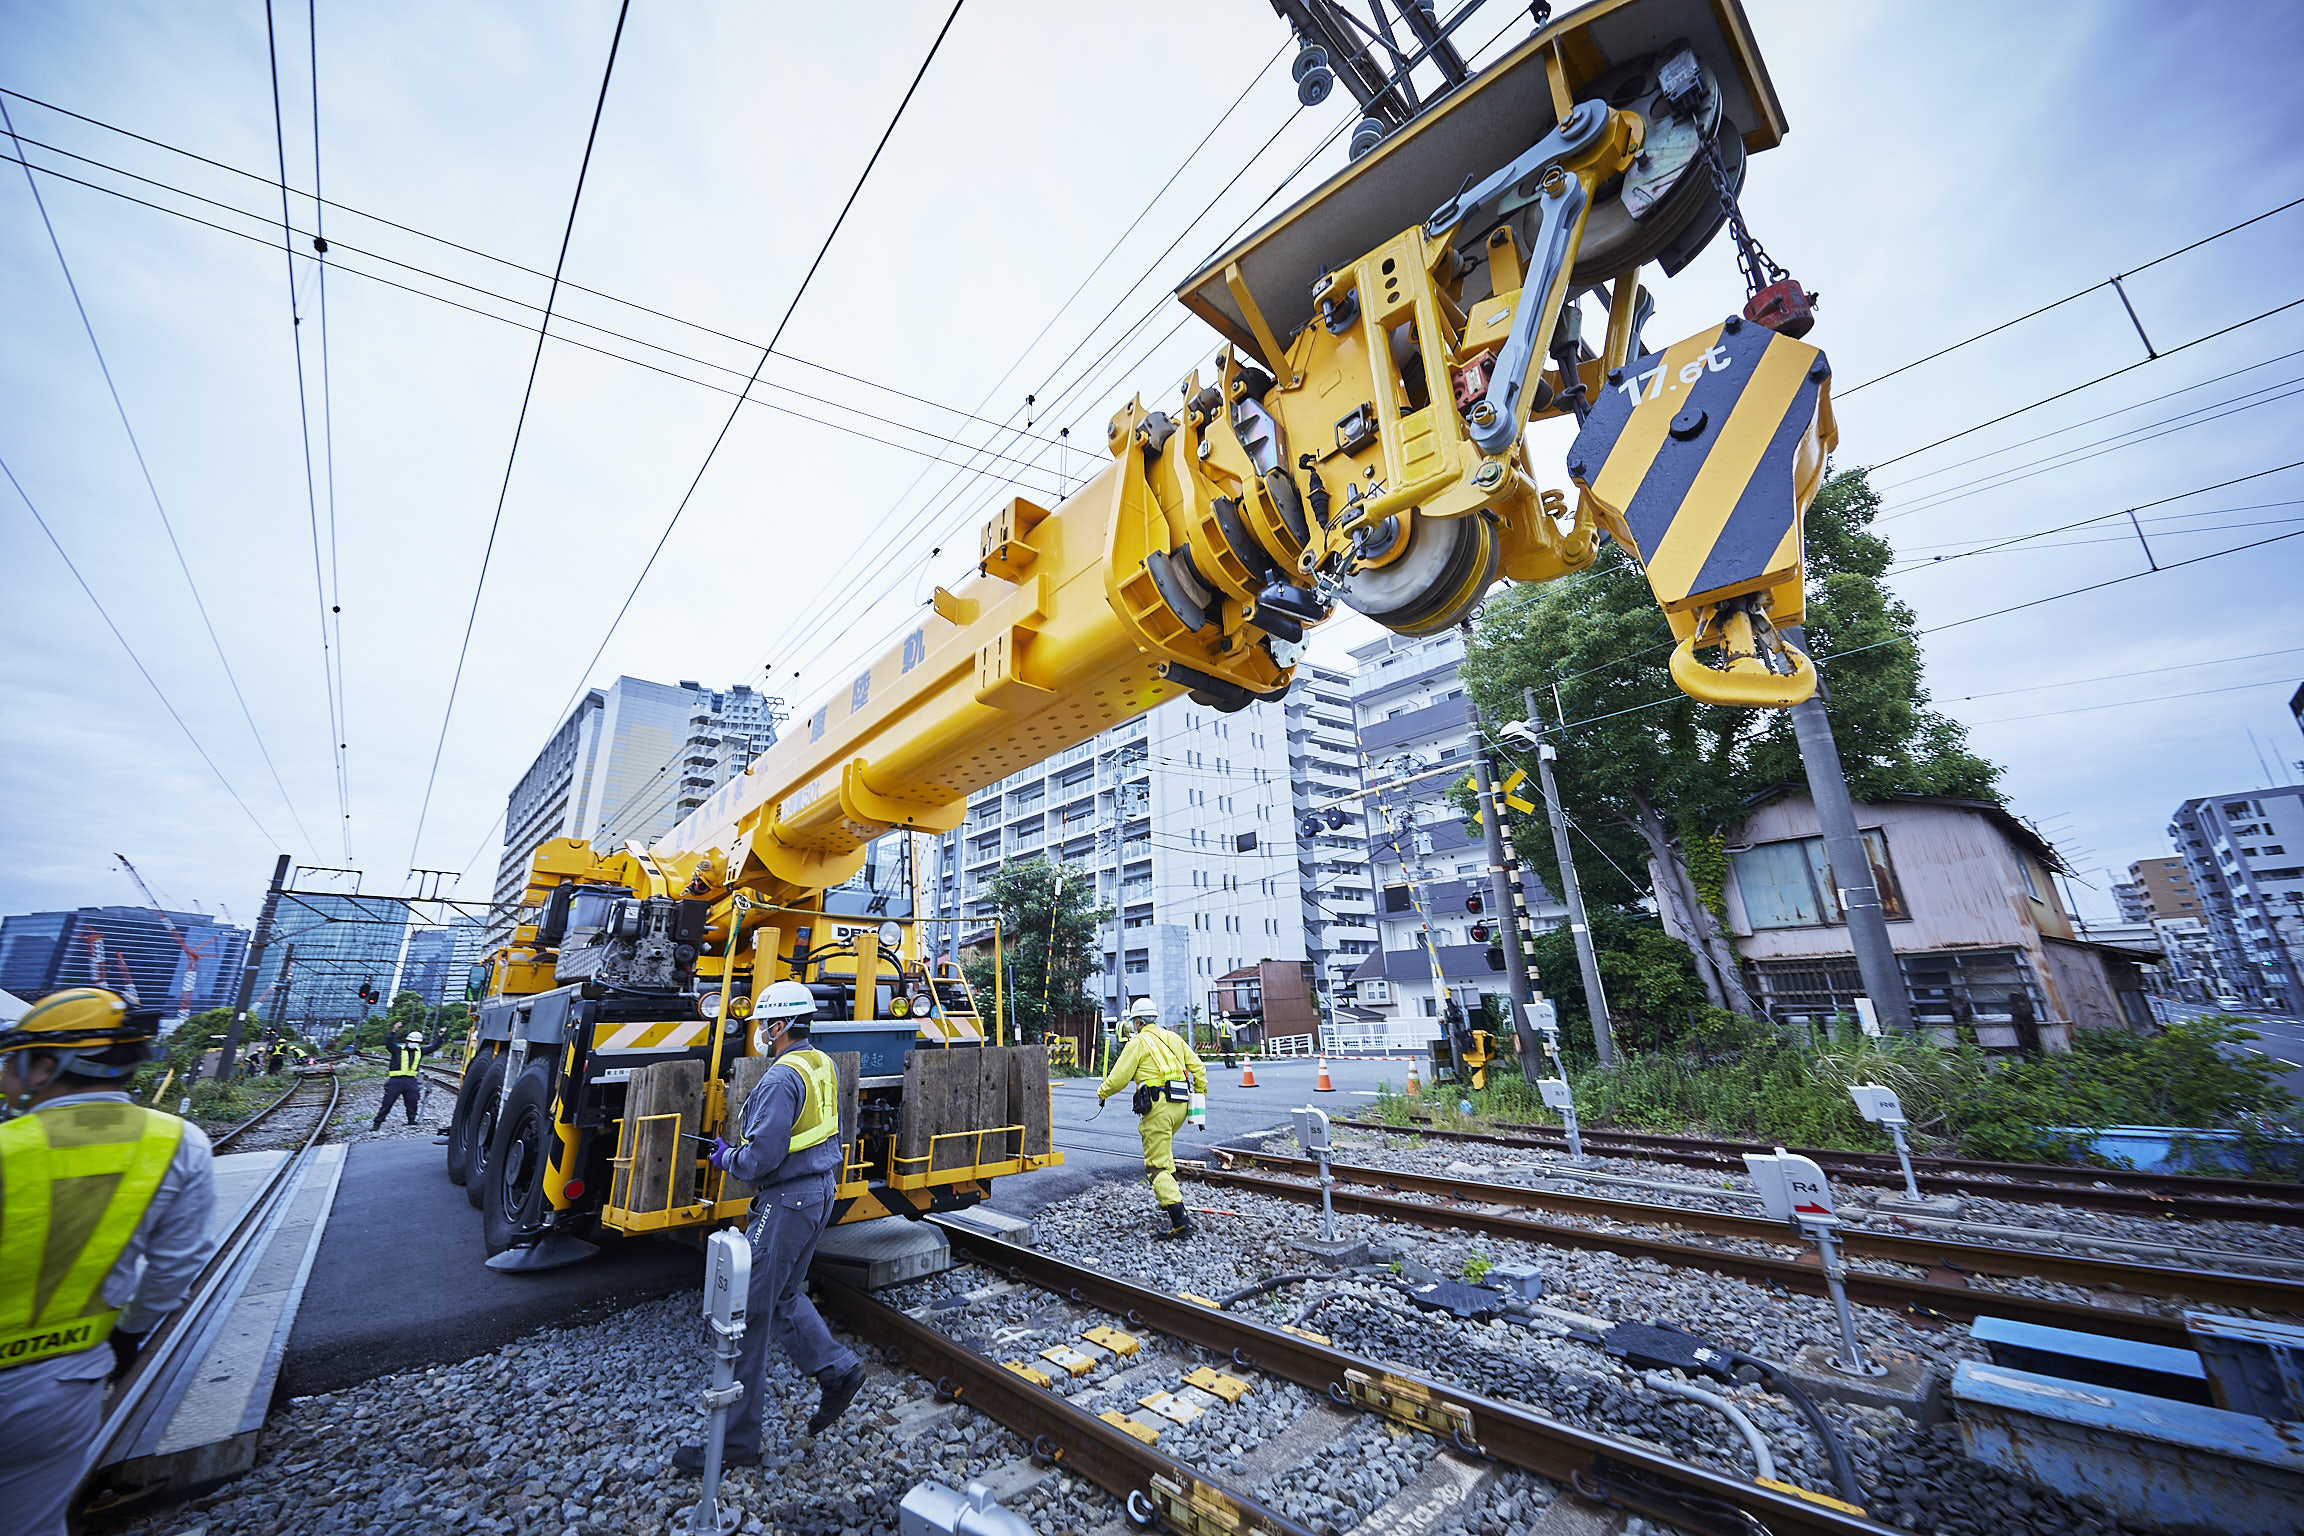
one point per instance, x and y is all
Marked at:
(2229, 1003)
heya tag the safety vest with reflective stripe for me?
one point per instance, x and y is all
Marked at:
(819, 1116)
(405, 1060)
(75, 1182)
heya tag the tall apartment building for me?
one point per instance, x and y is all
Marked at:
(1339, 904)
(2244, 854)
(1428, 866)
(125, 949)
(2163, 889)
(630, 760)
(1185, 819)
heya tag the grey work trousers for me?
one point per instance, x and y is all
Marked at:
(49, 1411)
(787, 1219)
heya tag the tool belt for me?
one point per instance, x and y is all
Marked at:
(1149, 1094)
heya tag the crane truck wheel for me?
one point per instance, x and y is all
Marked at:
(480, 1131)
(460, 1122)
(512, 1193)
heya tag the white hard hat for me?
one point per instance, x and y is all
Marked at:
(785, 1000)
(415, 1037)
(1144, 1008)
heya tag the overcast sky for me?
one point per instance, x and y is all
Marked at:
(1949, 167)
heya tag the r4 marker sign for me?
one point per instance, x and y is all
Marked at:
(1792, 1186)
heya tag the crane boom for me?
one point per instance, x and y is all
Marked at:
(191, 955)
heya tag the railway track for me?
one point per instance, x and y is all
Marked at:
(261, 1127)
(2122, 1190)
(158, 1376)
(1950, 1260)
(1158, 1488)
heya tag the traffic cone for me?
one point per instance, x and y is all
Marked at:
(1414, 1087)
(1323, 1085)
(1247, 1074)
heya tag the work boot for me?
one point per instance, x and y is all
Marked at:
(839, 1391)
(690, 1458)
(1179, 1225)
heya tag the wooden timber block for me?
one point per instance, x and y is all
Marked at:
(1028, 1097)
(661, 1160)
(744, 1075)
(848, 1066)
(991, 1111)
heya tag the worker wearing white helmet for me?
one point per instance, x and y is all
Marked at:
(791, 1156)
(1166, 1072)
(122, 1197)
(400, 1081)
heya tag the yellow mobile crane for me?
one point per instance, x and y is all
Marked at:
(1361, 438)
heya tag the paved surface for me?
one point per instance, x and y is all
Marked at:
(1105, 1146)
(2283, 1036)
(399, 1281)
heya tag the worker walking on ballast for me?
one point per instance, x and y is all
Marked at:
(400, 1079)
(104, 1214)
(1166, 1072)
(790, 1155)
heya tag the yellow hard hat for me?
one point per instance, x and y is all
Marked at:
(82, 1019)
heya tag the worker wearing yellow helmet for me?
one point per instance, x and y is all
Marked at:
(1166, 1072)
(111, 1196)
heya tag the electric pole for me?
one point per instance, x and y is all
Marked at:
(256, 943)
(1851, 865)
(1595, 996)
(1500, 886)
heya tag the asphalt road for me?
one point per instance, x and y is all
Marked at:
(1105, 1145)
(2283, 1036)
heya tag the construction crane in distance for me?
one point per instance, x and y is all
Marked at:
(191, 956)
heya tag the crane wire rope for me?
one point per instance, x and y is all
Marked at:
(136, 448)
(336, 729)
(567, 234)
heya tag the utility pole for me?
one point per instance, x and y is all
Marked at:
(256, 944)
(1500, 887)
(1595, 996)
(1851, 866)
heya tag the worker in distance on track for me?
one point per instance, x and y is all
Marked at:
(790, 1155)
(400, 1079)
(104, 1212)
(1166, 1072)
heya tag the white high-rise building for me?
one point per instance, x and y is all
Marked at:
(1339, 908)
(1429, 867)
(1185, 818)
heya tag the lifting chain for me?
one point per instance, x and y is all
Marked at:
(1773, 297)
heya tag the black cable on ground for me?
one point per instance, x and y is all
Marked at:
(1781, 1380)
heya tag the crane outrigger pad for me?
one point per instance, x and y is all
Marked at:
(1260, 291)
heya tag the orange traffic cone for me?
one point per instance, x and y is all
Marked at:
(1414, 1087)
(1323, 1085)
(1247, 1075)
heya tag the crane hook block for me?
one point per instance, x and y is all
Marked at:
(1701, 461)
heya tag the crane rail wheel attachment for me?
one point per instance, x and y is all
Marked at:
(2199, 1285)
(1635, 1477)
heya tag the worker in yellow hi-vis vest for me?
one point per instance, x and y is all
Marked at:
(104, 1212)
(1166, 1072)
(791, 1156)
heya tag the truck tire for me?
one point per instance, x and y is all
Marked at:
(512, 1195)
(481, 1133)
(460, 1119)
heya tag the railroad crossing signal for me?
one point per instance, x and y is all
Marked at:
(1513, 800)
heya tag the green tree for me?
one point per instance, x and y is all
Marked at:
(1047, 914)
(1651, 779)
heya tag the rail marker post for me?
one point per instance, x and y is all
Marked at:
(1312, 1136)
(1796, 1194)
(1559, 1096)
(727, 1283)
(1882, 1107)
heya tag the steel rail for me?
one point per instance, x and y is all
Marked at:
(2229, 1288)
(2142, 1198)
(1918, 1298)
(153, 1367)
(1885, 1162)
(1114, 1460)
(226, 1138)
(1639, 1478)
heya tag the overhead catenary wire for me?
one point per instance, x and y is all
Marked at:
(337, 737)
(335, 618)
(138, 661)
(152, 488)
(480, 582)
